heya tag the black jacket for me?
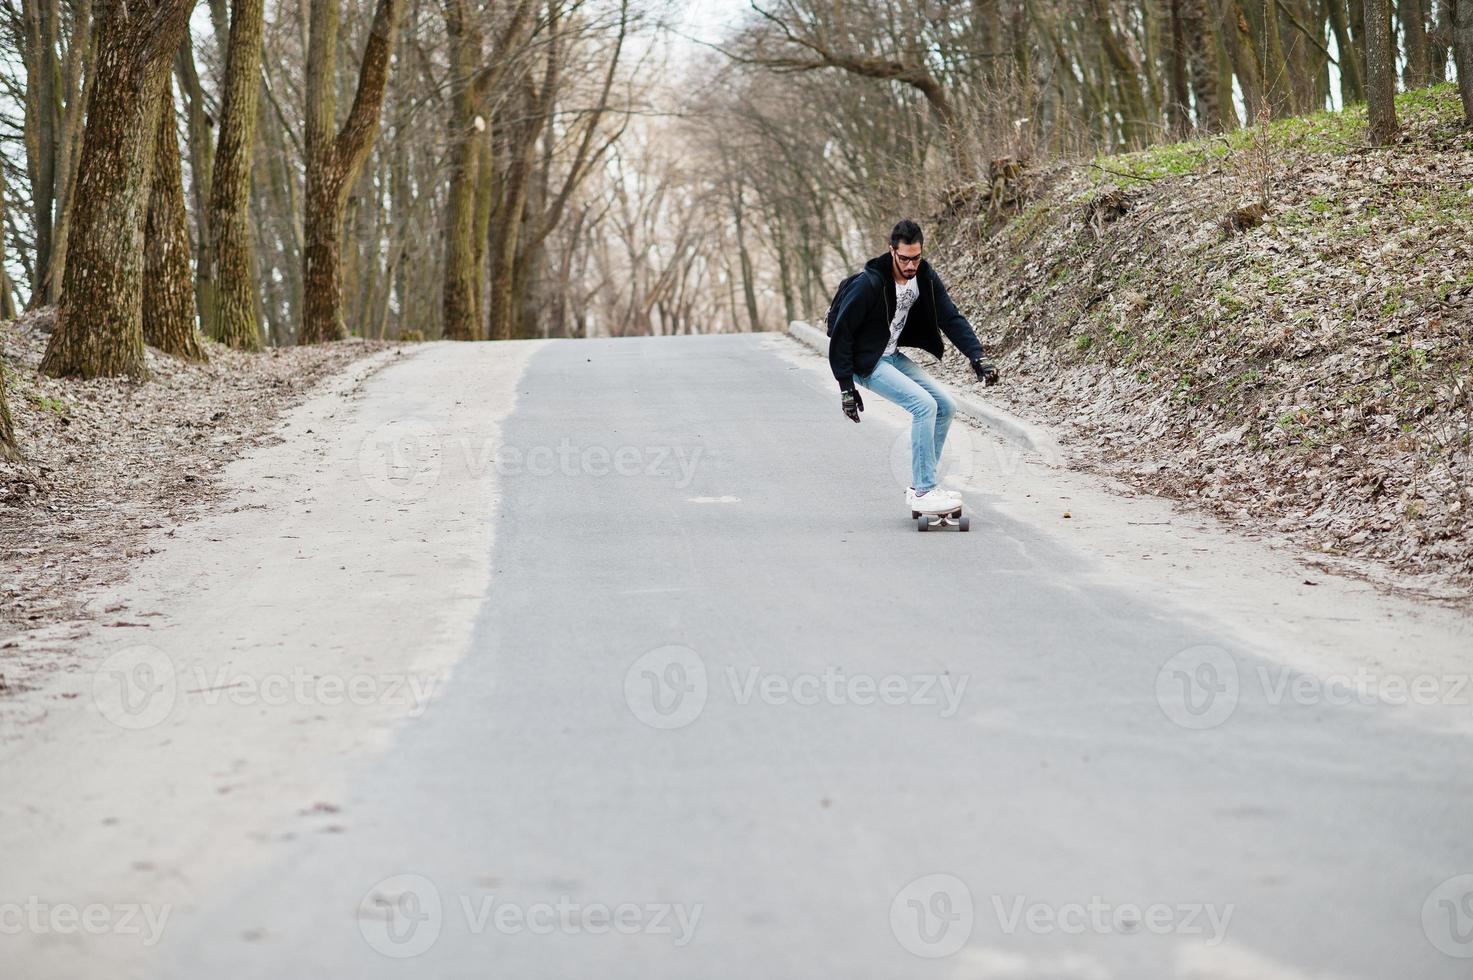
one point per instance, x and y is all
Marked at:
(862, 322)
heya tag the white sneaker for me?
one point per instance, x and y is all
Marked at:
(934, 501)
(910, 494)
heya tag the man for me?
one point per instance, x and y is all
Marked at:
(899, 301)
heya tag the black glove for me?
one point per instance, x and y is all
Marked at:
(853, 404)
(986, 373)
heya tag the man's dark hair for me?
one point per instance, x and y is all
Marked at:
(906, 231)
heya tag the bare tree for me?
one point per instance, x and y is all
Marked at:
(335, 156)
(1380, 73)
(1463, 54)
(55, 43)
(473, 74)
(9, 447)
(1352, 84)
(168, 294)
(233, 312)
(1418, 49)
(8, 310)
(99, 329)
(810, 40)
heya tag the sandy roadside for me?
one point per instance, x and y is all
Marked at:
(208, 716)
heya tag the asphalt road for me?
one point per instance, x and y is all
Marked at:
(727, 715)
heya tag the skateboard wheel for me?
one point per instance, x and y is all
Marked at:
(923, 523)
(964, 523)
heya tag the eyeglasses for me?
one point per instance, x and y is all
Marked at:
(907, 259)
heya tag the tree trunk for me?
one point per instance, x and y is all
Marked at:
(1238, 36)
(66, 145)
(1201, 55)
(1463, 54)
(201, 172)
(521, 143)
(1178, 104)
(462, 274)
(481, 231)
(1225, 72)
(99, 329)
(1439, 40)
(1021, 89)
(1380, 73)
(1352, 84)
(233, 320)
(9, 448)
(987, 37)
(1278, 76)
(333, 160)
(505, 235)
(7, 293)
(749, 285)
(1414, 36)
(40, 28)
(1137, 124)
(168, 287)
(1299, 49)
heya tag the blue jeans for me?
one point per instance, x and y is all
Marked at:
(902, 381)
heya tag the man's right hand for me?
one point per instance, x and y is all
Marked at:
(853, 404)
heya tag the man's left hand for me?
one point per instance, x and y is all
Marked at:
(986, 372)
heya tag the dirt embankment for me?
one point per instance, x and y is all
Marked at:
(110, 462)
(1277, 324)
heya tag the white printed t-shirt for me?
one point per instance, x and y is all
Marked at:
(905, 298)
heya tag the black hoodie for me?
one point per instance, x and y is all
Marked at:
(862, 322)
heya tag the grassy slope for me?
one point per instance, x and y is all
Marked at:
(1309, 373)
